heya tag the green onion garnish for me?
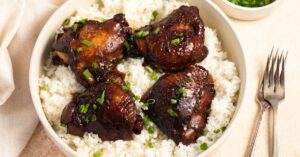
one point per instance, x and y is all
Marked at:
(204, 132)
(129, 74)
(175, 41)
(145, 106)
(87, 74)
(84, 108)
(127, 86)
(182, 91)
(208, 111)
(126, 44)
(87, 43)
(156, 31)
(217, 131)
(154, 15)
(173, 101)
(251, 3)
(223, 128)
(172, 113)
(151, 101)
(101, 99)
(75, 27)
(152, 73)
(83, 21)
(98, 153)
(93, 118)
(79, 49)
(151, 130)
(188, 79)
(100, 19)
(136, 98)
(142, 34)
(43, 88)
(146, 121)
(95, 65)
(149, 144)
(203, 146)
(66, 21)
(94, 106)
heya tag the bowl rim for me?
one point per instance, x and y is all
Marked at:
(232, 5)
(65, 148)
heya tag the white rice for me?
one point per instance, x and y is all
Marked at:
(58, 83)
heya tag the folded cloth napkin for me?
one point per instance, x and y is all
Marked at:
(20, 23)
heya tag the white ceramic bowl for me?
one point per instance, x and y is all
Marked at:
(212, 16)
(246, 13)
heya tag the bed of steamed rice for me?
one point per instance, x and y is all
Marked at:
(59, 83)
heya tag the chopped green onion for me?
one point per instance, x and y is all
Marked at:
(223, 128)
(87, 74)
(100, 19)
(75, 27)
(126, 44)
(208, 111)
(87, 43)
(151, 130)
(251, 3)
(98, 153)
(83, 21)
(79, 49)
(43, 88)
(149, 144)
(142, 34)
(127, 86)
(175, 41)
(152, 73)
(182, 91)
(156, 31)
(217, 131)
(145, 106)
(151, 101)
(172, 113)
(94, 106)
(136, 98)
(93, 118)
(146, 121)
(179, 35)
(154, 15)
(188, 79)
(122, 61)
(173, 101)
(203, 146)
(84, 108)
(66, 21)
(95, 65)
(101, 99)
(129, 74)
(204, 132)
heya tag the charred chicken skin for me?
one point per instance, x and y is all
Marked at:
(175, 42)
(105, 109)
(180, 110)
(92, 48)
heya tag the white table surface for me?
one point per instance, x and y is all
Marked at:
(281, 29)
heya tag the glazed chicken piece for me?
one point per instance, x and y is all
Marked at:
(175, 42)
(105, 109)
(92, 48)
(180, 110)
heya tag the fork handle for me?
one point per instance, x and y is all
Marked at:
(275, 141)
(253, 138)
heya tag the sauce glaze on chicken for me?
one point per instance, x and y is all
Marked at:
(181, 100)
(105, 109)
(175, 42)
(92, 48)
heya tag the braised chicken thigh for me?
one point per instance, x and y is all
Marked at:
(105, 109)
(174, 43)
(180, 103)
(92, 48)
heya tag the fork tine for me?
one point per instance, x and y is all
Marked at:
(277, 76)
(266, 73)
(271, 72)
(282, 78)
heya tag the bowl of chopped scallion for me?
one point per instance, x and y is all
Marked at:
(248, 9)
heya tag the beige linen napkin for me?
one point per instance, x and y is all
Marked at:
(17, 116)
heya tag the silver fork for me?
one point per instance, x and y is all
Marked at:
(274, 88)
(264, 105)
